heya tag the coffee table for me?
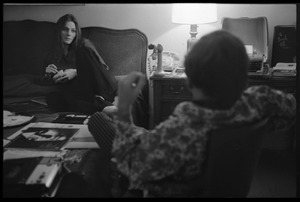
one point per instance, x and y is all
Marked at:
(93, 171)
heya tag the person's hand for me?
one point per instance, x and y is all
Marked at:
(50, 71)
(116, 101)
(59, 77)
(110, 110)
(70, 73)
(63, 76)
(128, 89)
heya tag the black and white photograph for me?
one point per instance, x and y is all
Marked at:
(155, 99)
(42, 138)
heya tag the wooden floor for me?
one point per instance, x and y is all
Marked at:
(276, 175)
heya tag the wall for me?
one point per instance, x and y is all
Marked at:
(152, 19)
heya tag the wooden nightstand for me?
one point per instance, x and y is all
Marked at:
(167, 91)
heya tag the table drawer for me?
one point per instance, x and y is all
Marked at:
(175, 90)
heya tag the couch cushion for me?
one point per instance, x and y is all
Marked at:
(24, 85)
(25, 44)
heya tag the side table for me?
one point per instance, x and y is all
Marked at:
(165, 93)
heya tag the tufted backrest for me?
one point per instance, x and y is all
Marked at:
(122, 50)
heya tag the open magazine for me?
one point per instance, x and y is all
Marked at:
(51, 137)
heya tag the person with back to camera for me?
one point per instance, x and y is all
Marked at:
(74, 65)
(174, 151)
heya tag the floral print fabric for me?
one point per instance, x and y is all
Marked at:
(175, 149)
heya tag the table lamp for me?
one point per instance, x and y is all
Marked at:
(194, 14)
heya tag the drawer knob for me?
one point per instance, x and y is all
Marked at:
(176, 91)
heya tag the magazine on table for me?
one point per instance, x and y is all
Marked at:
(51, 137)
(72, 118)
(42, 138)
(82, 140)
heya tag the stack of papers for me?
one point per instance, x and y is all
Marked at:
(284, 70)
(35, 157)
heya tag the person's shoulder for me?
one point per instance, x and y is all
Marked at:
(258, 89)
(184, 104)
(264, 91)
(87, 44)
(84, 42)
(185, 108)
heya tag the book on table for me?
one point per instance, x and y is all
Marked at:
(31, 177)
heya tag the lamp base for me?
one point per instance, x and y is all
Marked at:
(191, 42)
(193, 32)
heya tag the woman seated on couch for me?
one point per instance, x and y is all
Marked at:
(75, 66)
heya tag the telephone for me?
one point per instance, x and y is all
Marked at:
(157, 55)
(169, 61)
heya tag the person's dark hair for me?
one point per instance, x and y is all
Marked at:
(217, 64)
(60, 24)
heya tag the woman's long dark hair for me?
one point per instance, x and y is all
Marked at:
(60, 26)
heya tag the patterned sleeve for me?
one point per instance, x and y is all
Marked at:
(279, 106)
(144, 155)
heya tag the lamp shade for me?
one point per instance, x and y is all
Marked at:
(194, 13)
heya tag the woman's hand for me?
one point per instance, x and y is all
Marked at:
(70, 73)
(59, 77)
(50, 71)
(63, 76)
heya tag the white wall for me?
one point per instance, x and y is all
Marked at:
(152, 19)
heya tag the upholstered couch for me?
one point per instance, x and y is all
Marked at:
(26, 42)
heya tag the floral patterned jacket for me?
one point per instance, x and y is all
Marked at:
(176, 147)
